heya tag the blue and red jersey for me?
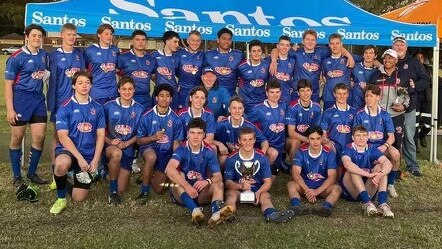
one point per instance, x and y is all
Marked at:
(335, 71)
(360, 75)
(338, 124)
(189, 69)
(285, 75)
(186, 116)
(167, 68)
(303, 117)
(363, 159)
(252, 82)
(378, 125)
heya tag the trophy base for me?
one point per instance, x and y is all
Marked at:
(247, 197)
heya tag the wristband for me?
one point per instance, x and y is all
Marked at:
(387, 145)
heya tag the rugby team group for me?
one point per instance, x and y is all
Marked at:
(218, 127)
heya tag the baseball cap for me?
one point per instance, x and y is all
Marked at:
(208, 69)
(399, 39)
(390, 52)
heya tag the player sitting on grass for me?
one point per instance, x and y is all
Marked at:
(314, 175)
(258, 180)
(194, 167)
(367, 171)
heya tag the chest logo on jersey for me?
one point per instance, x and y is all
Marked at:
(315, 176)
(311, 67)
(132, 114)
(164, 139)
(257, 83)
(282, 76)
(140, 74)
(194, 175)
(123, 129)
(375, 135)
(169, 123)
(107, 67)
(70, 72)
(405, 66)
(335, 73)
(214, 100)
(165, 72)
(343, 129)
(93, 111)
(223, 70)
(276, 128)
(302, 127)
(38, 75)
(84, 127)
(190, 69)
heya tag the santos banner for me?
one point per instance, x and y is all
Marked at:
(248, 19)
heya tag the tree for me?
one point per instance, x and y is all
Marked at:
(380, 7)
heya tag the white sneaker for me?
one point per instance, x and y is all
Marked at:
(197, 215)
(221, 216)
(392, 191)
(370, 209)
(386, 211)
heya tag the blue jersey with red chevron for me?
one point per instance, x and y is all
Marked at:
(378, 125)
(303, 117)
(190, 68)
(361, 77)
(101, 63)
(363, 159)
(140, 69)
(285, 70)
(252, 82)
(338, 124)
(167, 68)
(186, 116)
(335, 71)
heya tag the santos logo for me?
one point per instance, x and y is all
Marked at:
(218, 18)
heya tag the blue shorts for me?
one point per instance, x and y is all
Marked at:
(125, 162)
(30, 107)
(313, 184)
(163, 157)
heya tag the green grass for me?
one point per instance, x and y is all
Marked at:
(160, 224)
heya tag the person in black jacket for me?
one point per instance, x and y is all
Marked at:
(420, 79)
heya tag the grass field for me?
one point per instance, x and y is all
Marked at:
(160, 224)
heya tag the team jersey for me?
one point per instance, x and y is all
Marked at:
(284, 74)
(186, 116)
(82, 121)
(228, 134)
(363, 159)
(314, 168)
(338, 124)
(225, 66)
(62, 66)
(167, 68)
(302, 118)
(218, 101)
(189, 69)
(140, 69)
(308, 66)
(101, 63)
(198, 165)
(377, 124)
(271, 121)
(122, 121)
(252, 82)
(361, 76)
(235, 162)
(151, 122)
(26, 70)
(335, 71)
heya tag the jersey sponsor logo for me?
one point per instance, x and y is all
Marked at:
(311, 67)
(76, 110)
(84, 127)
(165, 72)
(194, 175)
(343, 129)
(316, 177)
(223, 70)
(282, 76)
(164, 139)
(190, 69)
(257, 83)
(123, 129)
(38, 75)
(335, 73)
(375, 135)
(70, 72)
(276, 128)
(140, 74)
(302, 127)
(107, 67)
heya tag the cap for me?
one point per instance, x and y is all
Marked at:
(208, 69)
(390, 52)
(399, 39)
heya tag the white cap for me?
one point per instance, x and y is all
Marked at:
(391, 53)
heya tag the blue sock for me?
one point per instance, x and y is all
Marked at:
(145, 188)
(113, 186)
(269, 211)
(382, 197)
(34, 157)
(392, 177)
(327, 204)
(365, 198)
(214, 206)
(295, 202)
(188, 202)
(15, 156)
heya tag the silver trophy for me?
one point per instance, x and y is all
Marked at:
(402, 96)
(247, 170)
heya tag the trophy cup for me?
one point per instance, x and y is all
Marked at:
(247, 170)
(402, 96)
